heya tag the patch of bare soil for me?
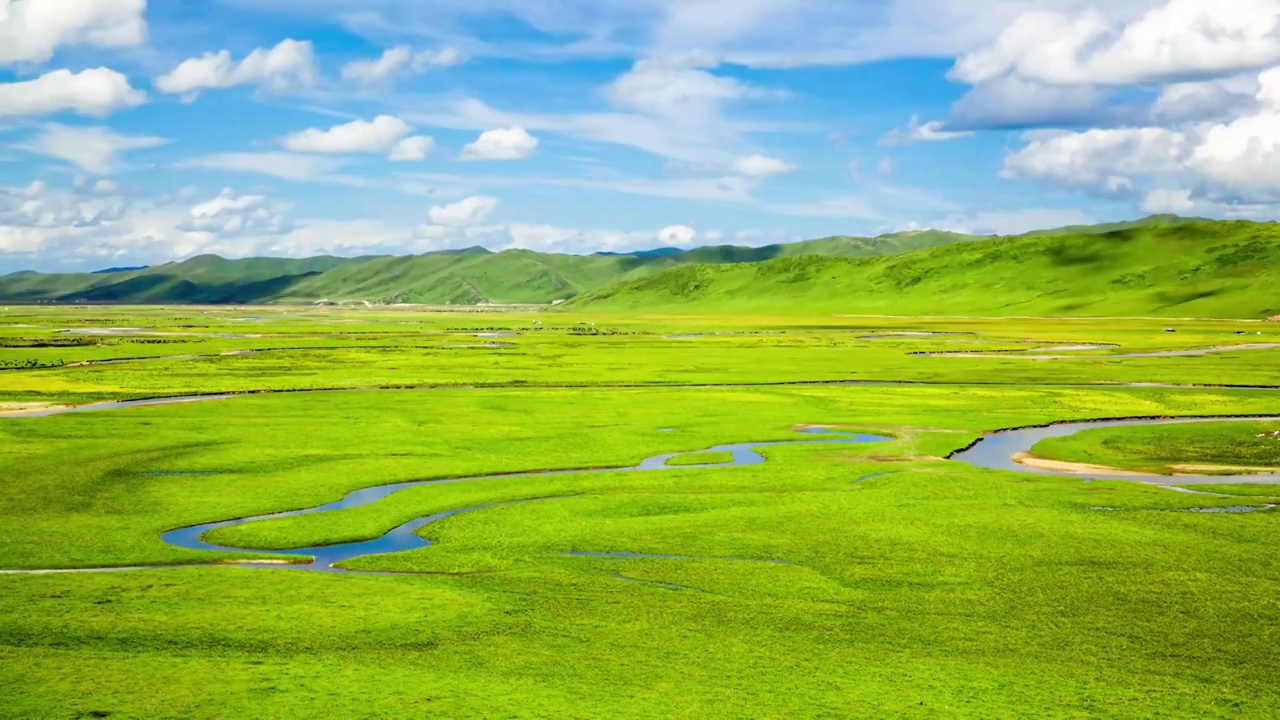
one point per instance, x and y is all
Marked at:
(1034, 461)
(13, 408)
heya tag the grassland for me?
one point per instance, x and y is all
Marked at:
(868, 580)
(702, 458)
(1223, 269)
(1172, 449)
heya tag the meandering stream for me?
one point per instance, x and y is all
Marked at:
(406, 537)
(995, 451)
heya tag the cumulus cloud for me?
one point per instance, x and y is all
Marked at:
(932, 131)
(92, 149)
(1206, 100)
(1012, 102)
(360, 136)
(762, 166)
(369, 72)
(1232, 161)
(231, 214)
(512, 143)
(1181, 39)
(99, 92)
(1173, 201)
(50, 228)
(679, 87)
(398, 62)
(31, 30)
(464, 213)
(287, 66)
(681, 236)
(1096, 156)
(412, 149)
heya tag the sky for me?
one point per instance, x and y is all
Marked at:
(137, 133)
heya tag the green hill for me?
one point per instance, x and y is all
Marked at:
(468, 276)
(1193, 268)
(1161, 265)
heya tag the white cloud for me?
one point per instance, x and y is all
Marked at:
(92, 149)
(290, 166)
(1178, 40)
(1206, 100)
(226, 202)
(542, 238)
(464, 213)
(1168, 201)
(289, 65)
(359, 136)
(231, 214)
(681, 236)
(399, 61)
(1012, 102)
(444, 57)
(762, 166)
(369, 72)
(679, 88)
(1234, 161)
(1008, 222)
(412, 149)
(932, 131)
(503, 144)
(1095, 156)
(98, 92)
(46, 228)
(31, 30)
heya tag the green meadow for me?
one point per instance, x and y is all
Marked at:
(834, 580)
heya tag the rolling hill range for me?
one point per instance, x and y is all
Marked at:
(1167, 269)
(470, 276)
(1162, 265)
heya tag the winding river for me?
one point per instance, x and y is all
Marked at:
(994, 451)
(406, 537)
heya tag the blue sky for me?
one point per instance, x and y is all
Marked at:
(138, 133)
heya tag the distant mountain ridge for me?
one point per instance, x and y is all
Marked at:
(461, 277)
(1163, 268)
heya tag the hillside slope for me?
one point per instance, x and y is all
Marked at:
(470, 276)
(1222, 269)
(201, 279)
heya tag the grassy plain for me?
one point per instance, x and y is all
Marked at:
(1168, 449)
(702, 458)
(867, 580)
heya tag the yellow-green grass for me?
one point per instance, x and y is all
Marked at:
(702, 458)
(1207, 448)
(305, 348)
(867, 580)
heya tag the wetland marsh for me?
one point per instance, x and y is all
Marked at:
(506, 554)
